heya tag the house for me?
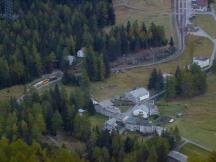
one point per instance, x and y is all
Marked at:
(110, 125)
(71, 59)
(107, 108)
(201, 61)
(81, 53)
(175, 156)
(137, 95)
(200, 5)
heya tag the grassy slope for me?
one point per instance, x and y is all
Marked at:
(194, 153)
(198, 124)
(117, 84)
(207, 23)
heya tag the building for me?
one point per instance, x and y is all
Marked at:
(201, 61)
(200, 5)
(137, 95)
(110, 125)
(71, 59)
(81, 53)
(107, 108)
(175, 156)
(145, 110)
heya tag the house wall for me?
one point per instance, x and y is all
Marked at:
(202, 64)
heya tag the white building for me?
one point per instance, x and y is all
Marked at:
(137, 95)
(201, 61)
(81, 53)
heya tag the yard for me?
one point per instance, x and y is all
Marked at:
(194, 153)
(117, 84)
(207, 23)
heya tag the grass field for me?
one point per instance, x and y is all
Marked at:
(198, 123)
(157, 11)
(194, 153)
(207, 23)
(14, 91)
(117, 84)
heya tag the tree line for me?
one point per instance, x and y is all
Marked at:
(186, 83)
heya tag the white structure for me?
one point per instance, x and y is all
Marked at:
(201, 61)
(81, 53)
(137, 95)
(71, 59)
(107, 108)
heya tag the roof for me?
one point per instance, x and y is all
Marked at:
(139, 92)
(199, 58)
(178, 156)
(202, 2)
(81, 111)
(106, 103)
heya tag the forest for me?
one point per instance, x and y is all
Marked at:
(45, 32)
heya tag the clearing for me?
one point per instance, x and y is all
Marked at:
(14, 91)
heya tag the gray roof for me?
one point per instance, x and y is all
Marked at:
(178, 156)
(139, 92)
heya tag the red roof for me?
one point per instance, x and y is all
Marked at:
(202, 2)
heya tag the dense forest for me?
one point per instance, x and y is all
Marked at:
(45, 32)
